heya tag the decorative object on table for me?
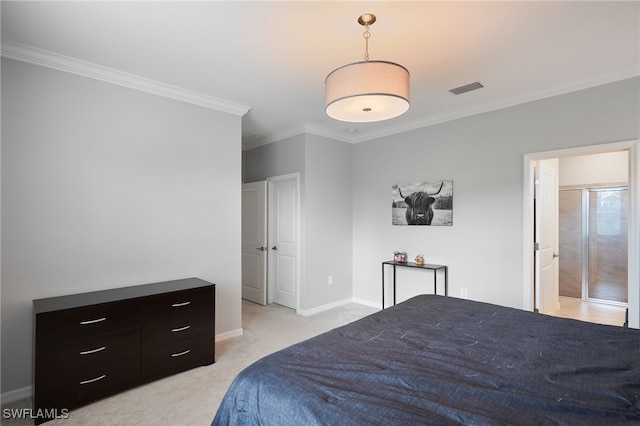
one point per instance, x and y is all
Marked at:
(419, 260)
(399, 256)
(422, 203)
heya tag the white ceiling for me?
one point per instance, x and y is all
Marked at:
(273, 56)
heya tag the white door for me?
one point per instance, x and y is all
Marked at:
(254, 242)
(547, 236)
(284, 240)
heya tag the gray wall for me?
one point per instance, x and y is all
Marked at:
(325, 209)
(279, 158)
(329, 230)
(105, 187)
(483, 155)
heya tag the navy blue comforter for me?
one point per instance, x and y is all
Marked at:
(439, 360)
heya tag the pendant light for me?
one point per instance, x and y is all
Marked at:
(367, 91)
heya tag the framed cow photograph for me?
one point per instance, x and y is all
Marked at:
(428, 203)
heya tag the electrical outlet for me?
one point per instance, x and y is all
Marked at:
(330, 280)
(463, 293)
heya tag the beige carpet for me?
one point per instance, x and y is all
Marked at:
(192, 398)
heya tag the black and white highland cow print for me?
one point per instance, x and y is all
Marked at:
(423, 203)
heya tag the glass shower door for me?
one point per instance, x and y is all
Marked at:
(607, 242)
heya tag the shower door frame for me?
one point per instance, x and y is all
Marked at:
(584, 245)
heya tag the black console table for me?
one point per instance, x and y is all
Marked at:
(427, 266)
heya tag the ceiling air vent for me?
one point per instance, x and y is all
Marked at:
(467, 88)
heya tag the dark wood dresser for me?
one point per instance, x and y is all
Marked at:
(91, 345)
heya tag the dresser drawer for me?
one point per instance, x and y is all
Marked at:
(69, 324)
(78, 387)
(176, 357)
(90, 345)
(116, 346)
(178, 303)
(177, 328)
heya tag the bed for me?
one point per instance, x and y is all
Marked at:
(441, 360)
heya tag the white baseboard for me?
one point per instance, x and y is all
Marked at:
(317, 310)
(328, 306)
(366, 303)
(229, 334)
(16, 395)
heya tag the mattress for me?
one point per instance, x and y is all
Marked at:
(441, 360)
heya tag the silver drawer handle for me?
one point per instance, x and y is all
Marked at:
(86, 382)
(175, 330)
(181, 353)
(93, 351)
(177, 305)
(93, 321)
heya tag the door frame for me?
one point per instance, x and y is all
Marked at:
(633, 148)
(270, 286)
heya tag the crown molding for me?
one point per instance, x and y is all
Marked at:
(619, 74)
(45, 58)
(275, 137)
(314, 129)
(298, 129)
(48, 59)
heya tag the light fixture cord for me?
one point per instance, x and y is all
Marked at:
(366, 36)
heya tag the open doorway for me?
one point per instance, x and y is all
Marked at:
(271, 241)
(613, 192)
(593, 237)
